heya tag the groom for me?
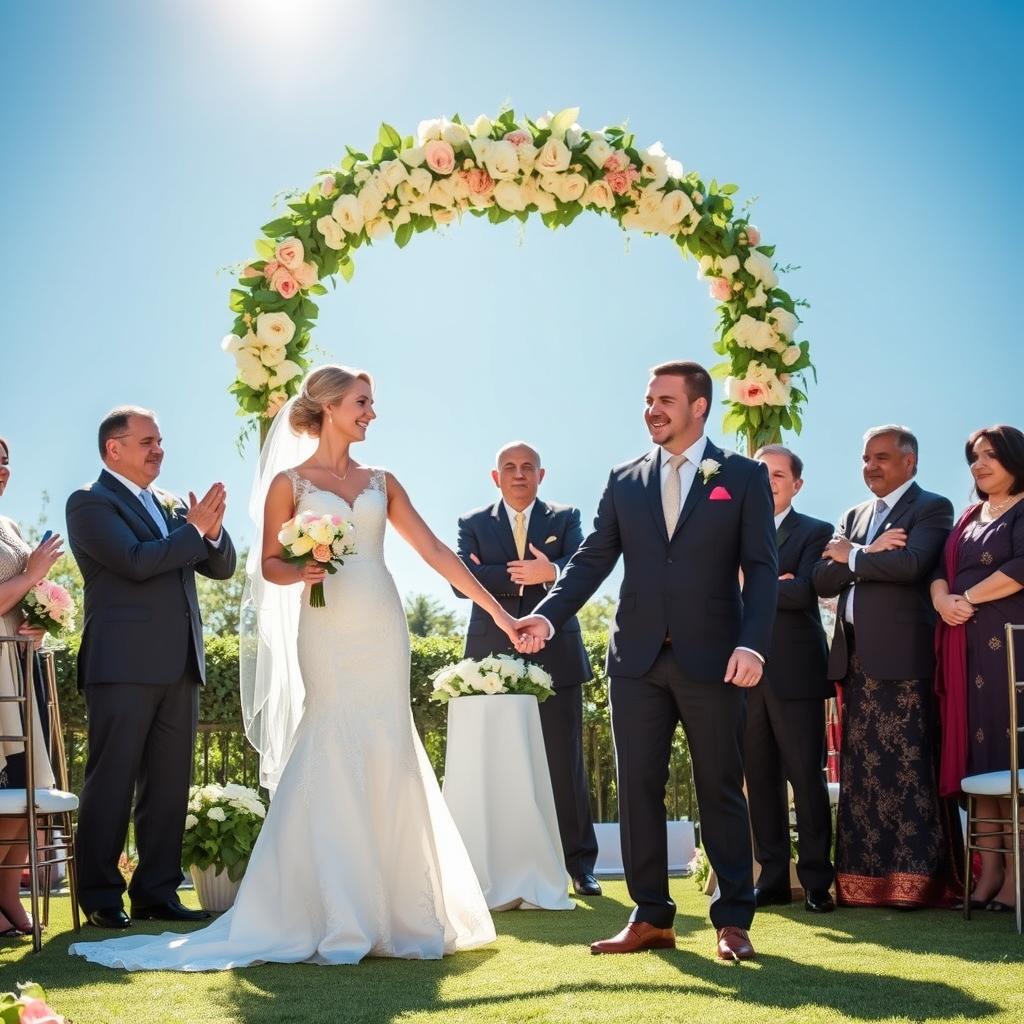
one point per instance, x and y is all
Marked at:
(687, 642)
(140, 663)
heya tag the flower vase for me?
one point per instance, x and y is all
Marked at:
(215, 889)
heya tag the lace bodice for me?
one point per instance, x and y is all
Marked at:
(14, 553)
(367, 511)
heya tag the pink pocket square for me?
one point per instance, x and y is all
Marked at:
(719, 494)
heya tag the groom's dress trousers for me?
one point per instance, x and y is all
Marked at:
(491, 534)
(140, 664)
(785, 734)
(680, 616)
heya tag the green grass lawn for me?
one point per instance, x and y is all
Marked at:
(858, 965)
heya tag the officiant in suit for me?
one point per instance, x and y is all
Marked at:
(516, 548)
(785, 733)
(688, 640)
(140, 665)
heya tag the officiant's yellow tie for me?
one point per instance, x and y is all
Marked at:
(670, 493)
(519, 532)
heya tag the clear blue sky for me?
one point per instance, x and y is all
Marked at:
(143, 145)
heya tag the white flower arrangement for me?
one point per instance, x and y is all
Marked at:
(499, 169)
(497, 673)
(221, 827)
(708, 469)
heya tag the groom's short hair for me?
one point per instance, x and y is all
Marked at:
(116, 422)
(696, 380)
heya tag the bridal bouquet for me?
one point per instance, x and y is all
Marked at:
(221, 828)
(499, 673)
(49, 606)
(326, 539)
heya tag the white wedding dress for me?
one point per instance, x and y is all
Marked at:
(359, 855)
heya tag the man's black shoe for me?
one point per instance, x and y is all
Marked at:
(772, 897)
(586, 885)
(819, 901)
(168, 912)
(108, 917)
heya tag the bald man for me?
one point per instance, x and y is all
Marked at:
(516, 548)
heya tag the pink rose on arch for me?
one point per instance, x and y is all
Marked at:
(750, 392)
(283, 283)
(271, 269)
(305, 274)
(618, 161)
(251, 271)
(479, 181)
(289, 253)
(518, 137)
(753, 235)
(720, 289)
(328, 186)
(440, 156)
(618, 181)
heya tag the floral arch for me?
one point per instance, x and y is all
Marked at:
(508, 168)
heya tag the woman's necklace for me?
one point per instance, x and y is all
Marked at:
(335, 475)
(995, 510)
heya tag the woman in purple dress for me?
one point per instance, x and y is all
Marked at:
(980, 590)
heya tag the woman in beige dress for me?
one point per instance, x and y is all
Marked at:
(21, 568)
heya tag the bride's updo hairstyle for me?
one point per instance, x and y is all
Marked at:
(324, 386)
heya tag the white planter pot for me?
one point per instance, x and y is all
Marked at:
(216, 891)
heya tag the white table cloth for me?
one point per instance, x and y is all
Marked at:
(497, 785)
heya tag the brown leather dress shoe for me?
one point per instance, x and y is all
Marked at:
(734, 944)
(636, 936)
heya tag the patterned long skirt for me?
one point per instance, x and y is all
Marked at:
(897, 842)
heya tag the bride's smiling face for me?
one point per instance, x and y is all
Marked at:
(349, 417)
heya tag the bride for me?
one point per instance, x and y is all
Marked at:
(359, 855)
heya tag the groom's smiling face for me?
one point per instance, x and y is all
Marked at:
(674, 422)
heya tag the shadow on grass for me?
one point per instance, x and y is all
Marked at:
(774, 984)
(986, 938)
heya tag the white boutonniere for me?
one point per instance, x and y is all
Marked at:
(169, 503)
(709, 468)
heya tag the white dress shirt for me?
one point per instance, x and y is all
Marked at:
(782, 515)
(137, 491)
(875, 524)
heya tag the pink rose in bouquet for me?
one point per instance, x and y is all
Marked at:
(325, 539)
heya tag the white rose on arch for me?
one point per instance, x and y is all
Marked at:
(760, 268)
(654, 165)
(412, 157)
(599, 149)
(251, 370)
(553, 158)
(347, 213)
(571, 188)
(283, 373)
(784, 321)
(509, 196)
(500, 159)
(758, 335)
(274, 329)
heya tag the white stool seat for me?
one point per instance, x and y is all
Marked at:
(991, 783)
(48, 801)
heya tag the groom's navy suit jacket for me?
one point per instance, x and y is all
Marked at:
(685, 586)
(487, 533)
(141, 609)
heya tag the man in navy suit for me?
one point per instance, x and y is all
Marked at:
(785, 735)
(516, 548)
(140, 664)
(687, 642)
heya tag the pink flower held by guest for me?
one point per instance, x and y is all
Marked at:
(518, 137)
(322, 552)
(479, 181)
(753, 235)
(284, 284)
(440, 156)
(290, 253)
(720, 289)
